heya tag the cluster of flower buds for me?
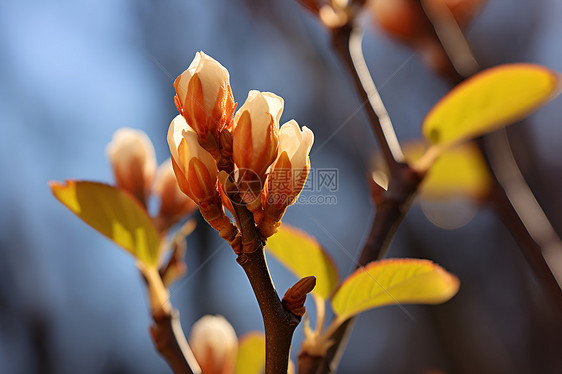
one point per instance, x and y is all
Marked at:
(133, 160)
(267, 165)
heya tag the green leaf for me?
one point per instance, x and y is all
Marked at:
(251, 354)
(304, 256)
(490, 100)
(393, 281)
(114, 213)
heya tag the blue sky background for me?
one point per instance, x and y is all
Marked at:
(73, 72)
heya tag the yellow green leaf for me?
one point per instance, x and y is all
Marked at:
(251, 354)
(393, 281)
(491, 99)
(304, 256)
(458, 171)
(114, 213)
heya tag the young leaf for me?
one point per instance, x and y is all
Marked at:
(251, 354)
(114, 213)
(393, 281)
(304, 256)
(459, 171)
(491, 99)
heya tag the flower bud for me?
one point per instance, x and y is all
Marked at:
(214, 345)
(204, 98)
(255, 140)
(174, 204)
(132, 157)
(288, 175)
(196, 170)
(196, 174)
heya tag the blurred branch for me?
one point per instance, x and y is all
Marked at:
(392, 204)
(346, 41)
(511, 197)
(166, 332)
(169, 340)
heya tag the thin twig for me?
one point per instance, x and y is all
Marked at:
(511, 196)
(169, 340)
(351, 54)
(391, 205)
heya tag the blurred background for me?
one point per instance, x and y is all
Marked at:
(71, 73)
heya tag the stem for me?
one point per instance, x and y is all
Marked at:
(390, 211)
(511, 196)
(392, 206)
(530, 249)
(346, 41)
(170, 341)
(279, 323)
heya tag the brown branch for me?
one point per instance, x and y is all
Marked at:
(279, 323)
(391, 205)
(385, 134)
(170, 341)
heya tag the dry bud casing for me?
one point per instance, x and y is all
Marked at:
(214, 344)
(294, 298)
(133, 161)
(204, 98)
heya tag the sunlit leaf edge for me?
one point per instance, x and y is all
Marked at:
(56, 186)
(557, 89)
(455, 284)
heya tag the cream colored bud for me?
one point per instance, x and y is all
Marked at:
(287, 175)
(173, 203)
(204, 96)
(195, 168)
(256, 128)
(133, 160)
(296, 143)
(214, 344)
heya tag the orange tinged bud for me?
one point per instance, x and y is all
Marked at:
(195, 168)
(255, 140)
(134, 164)
(174, 204)
(204, 98)
(287, 178)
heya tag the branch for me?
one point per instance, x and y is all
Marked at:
(166, 332)
(279, 323)
(170, 341)
(346, 41)
(511, 196)
(391, 205)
